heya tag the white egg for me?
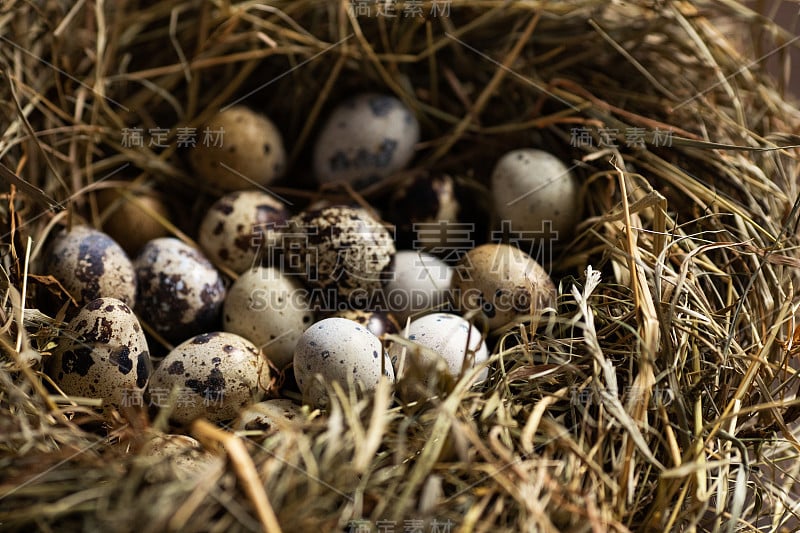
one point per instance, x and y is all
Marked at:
(451, 337)
(102, 353)
(340, 350)
(535, 192)
(418, 282)
(365, 139)
(216, 376)
(270, 309)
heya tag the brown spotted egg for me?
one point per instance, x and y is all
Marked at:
(341, 248)
(242, 149)
(90, 265)
(365, 139)
(180, 291)
(102, 353)
(270, 309)
(239, 227)
(217, 375)
(340, 350)
(502, 282)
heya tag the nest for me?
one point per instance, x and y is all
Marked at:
(658, 395)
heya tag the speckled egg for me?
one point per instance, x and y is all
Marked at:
(503, 282)
(270, 309)
(90, 265)
(377, 322)
(535, 192)
(365, 139)
(242, 149)
(186, 458)
(419, 204)
(446, 335)
(240, 229)
(418, 282)
(268, 415)
(340, 350)
(340, 248)
(102, 353)
(217, 374)
(180, 291)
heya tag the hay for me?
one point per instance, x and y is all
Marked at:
(658, 396)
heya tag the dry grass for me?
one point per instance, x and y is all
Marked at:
(660, 395)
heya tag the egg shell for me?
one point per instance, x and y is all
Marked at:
(217, 375)
(269, 309)
(180, 291)
(418, 282)
(365, 139)
(341, 248)
(248, 152)
(103, 353)
(127, 222)
(535, 192)
(447, 335)
(240, 228)
(186, 458)
(377, 322)
(91, 265)
(268, 415)
(503, 282)
(338, 350)
(424, 199)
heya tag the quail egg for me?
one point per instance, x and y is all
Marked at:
(239, 149)
(268, 415)
(239, 227)
(180, 291)
(90, 265)
(270, 309)
(451, 337)
(217, 375)
(365, 139)
(535, 193)
(340, 248)
(186, 458)
(503, 282)
(126, 221)
(418, 282)
(377, 322)
(102, 353)
(340, 350)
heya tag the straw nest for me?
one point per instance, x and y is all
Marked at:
(659, 395)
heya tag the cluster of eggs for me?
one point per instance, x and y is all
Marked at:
(315, 291)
